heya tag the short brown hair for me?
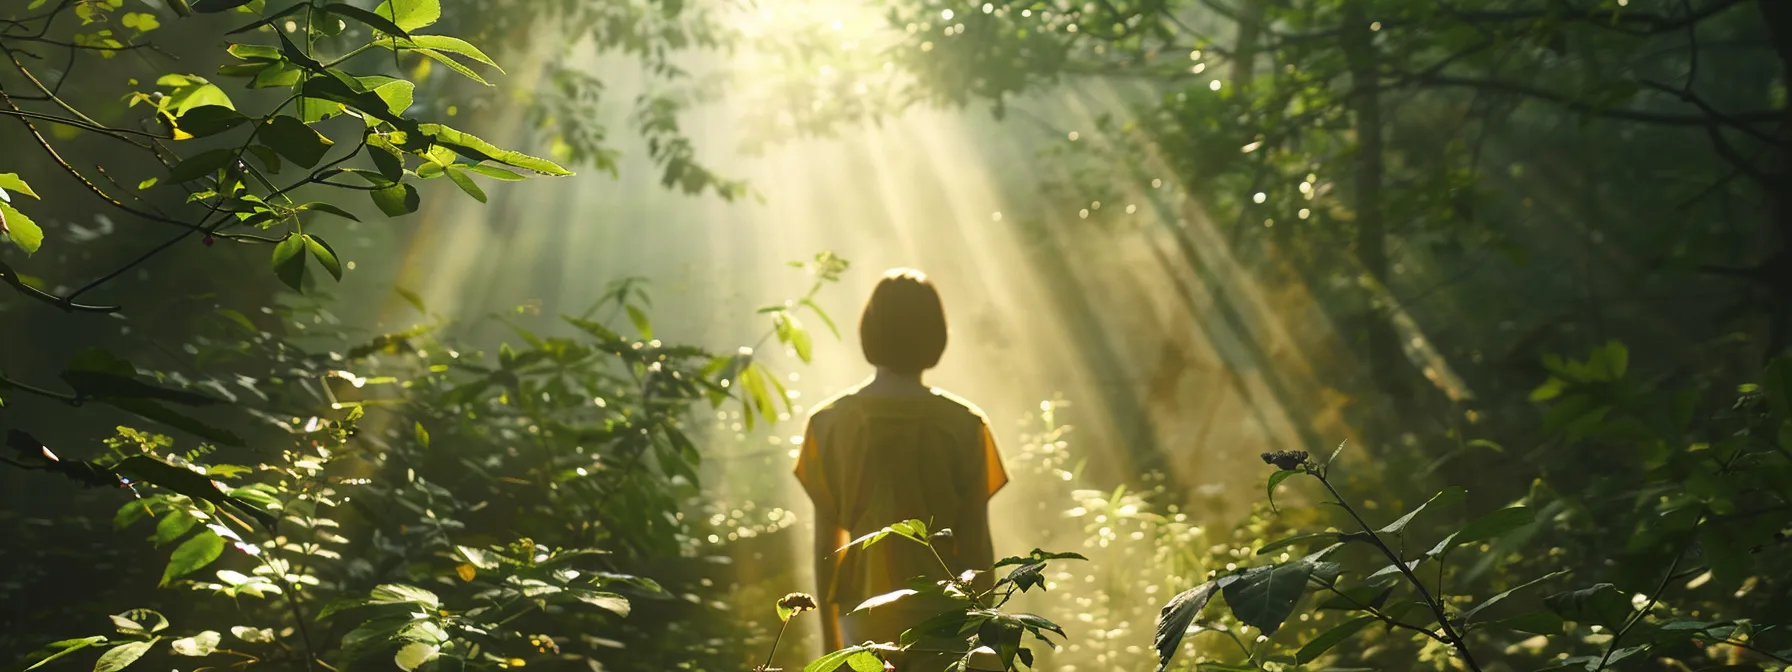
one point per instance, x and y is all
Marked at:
(903, 327)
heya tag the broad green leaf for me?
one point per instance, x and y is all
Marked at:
(204, 95)
(466, 184)
(1495, 524)
(192, 555)
(452, 64)
(1444, 497)
(1290, 541)
(399, 94)
(833, 660)
(423, 440)
(495, 173)
(50, 652)
(140, 622)
(410, 14)
(414, 655)
(184, 481)
(216, 6)
(883, 600)
(201, 165)
(21, 230)
(639, 318)
(398, 593)
(1330, 638)
(397, 200)
(208, 120)
(326, 207)
(1469, 616)
(1537, 623)
(252, 635)
(441, 43)
(865, 661)
(1276, 479)
(1263, 597)
(1600, 605)
(202, 644)
(173, 526)
(326, 256)
(12, 183)
(371, 19)
(1173, 621)
(121, 656)
(289, 261)
(294, 140)
(476, 149)
(610, 602)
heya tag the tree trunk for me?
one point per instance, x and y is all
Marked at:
(1776, 272)
(1383, 343)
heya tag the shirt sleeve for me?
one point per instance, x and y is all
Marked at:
(812, 473)
(994, 475)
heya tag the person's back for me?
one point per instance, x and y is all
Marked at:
(893, 450)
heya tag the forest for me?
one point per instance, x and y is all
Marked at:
(447, 335)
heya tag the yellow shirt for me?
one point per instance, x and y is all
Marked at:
(875, 460)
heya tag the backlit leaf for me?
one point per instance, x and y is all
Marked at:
(192, 555)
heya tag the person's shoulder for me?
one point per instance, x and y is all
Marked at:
(957, 404)
(832, 406)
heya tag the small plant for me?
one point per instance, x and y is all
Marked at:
(1712, 501)
(975, 623)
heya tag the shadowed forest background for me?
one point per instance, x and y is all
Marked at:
(1317, 334)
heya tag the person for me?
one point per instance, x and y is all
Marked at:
(893, 449)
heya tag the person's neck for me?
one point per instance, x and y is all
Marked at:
(887, 378)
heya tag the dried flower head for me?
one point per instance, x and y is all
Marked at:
(1286, 460)
(797, 602)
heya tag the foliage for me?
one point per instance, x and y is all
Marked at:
(1716, 515)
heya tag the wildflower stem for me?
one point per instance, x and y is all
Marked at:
(1437, 608)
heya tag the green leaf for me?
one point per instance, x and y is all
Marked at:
(372, 20)
(204, 95)
(1290, 541)
(1263, 597)
(865, 661)
(1537, 623)
(202, 644)
(184, 481)
(423, 440)
(442, 43)
(1601, 605)
(610, 602)
(466, 184)
(324, 254)
(1496, 524)
(162, 414)
(387, 161)
(810, 304)
(1276, 479)
(415, 654)
(639, 319)
(193, 555)
(289, 262)
(215, 6)
(132, 622)
(11, 182)
(54, 650)
(452, 64)
(200, 165)
(398, 94)
(833, 661)
(1443, 497)
(1177, 615)
(883, 600)
(397, 200)
(21, 230)
(398, 593)
(326, 207)
(476, 149)
(1469, 616)
(410, 15)
(173, 526)
(294, 140)
(1330, 638)
(209, 120)
(495, 173)
(121, 656)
